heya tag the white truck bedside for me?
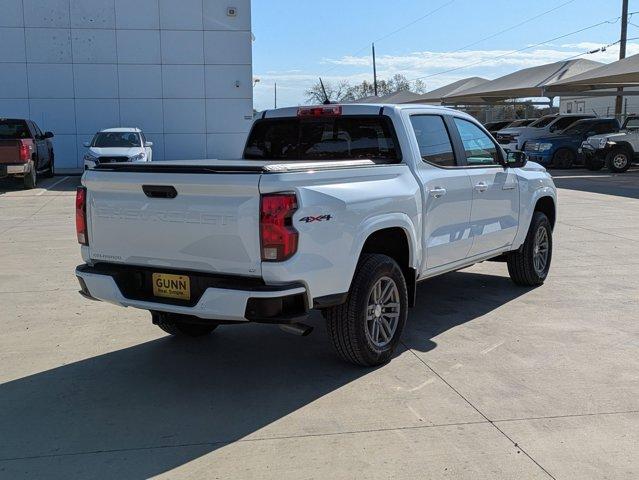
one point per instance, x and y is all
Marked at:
(339, 208)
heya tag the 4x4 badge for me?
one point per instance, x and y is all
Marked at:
(319, 218)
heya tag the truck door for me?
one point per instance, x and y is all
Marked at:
(446, 191)
(495, 191)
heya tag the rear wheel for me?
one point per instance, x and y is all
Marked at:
(176, 325)
(619, 160)
(529, 265)
(30, 179)
(563, 158)
(367, 328)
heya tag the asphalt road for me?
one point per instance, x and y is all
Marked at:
(492, 381)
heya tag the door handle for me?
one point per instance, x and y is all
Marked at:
(481, 187)
(437, 192)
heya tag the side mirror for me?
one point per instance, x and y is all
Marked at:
(48, 135)
(516, 159)
(87, 144)
(148, 144)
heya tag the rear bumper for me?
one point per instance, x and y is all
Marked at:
(269, 304)
(14, 169)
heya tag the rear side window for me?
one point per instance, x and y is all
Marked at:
(565, 122)
(330, 138)
(606, 127)
(434, 142)
(10, 129)
(479, 148)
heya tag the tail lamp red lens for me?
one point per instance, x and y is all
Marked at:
(278, 237)
(81, 215)
(326, 111)
(25, 151)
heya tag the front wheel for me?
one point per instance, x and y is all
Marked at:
(529, 265)
(176, 325)
(50, 173)
(618, 160)
(367, 328)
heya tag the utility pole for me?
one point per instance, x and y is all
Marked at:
(275, 95)
(622, 51)
(374, 72)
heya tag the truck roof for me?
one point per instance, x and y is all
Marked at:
(359, 109)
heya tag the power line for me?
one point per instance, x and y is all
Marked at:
(512, 27)
(404, 27)
(615, 20)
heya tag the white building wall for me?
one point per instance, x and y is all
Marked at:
(178, 69)
(602, 106)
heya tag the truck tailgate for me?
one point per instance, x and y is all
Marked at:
(9, 151)
(211, 225)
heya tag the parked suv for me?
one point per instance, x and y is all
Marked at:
(117, 145)
(547, 124)
(615, 150)
(338, 208)
(25, 152)
(561, 150)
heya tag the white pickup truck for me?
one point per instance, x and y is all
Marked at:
(339, 208)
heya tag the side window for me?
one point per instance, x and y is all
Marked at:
(606, 127)
(433, 140)
(479, 148)
(37, 129)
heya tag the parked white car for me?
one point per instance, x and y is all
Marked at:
(339, 208)
(117, 145)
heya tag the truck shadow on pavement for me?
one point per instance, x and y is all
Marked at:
(61, 183)
(150, 408)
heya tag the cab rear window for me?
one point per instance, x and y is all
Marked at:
(329, 138)
(10, 129)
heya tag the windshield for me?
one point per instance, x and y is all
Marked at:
(116, 139)
(542, 122)
(331, 138)
(632, 123)
(14, 129)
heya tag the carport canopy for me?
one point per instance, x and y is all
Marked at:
(526, 83)
(439, 94)
(622, 73)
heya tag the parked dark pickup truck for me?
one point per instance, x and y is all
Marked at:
(25, 152)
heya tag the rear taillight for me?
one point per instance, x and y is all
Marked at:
(278, 238)
(25, 151)
(81, 215)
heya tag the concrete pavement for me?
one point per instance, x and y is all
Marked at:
(493, 381)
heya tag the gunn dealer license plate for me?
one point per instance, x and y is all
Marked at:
(171, 286)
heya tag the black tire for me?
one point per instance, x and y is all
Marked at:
(521, 262)
(173, 325)
(50, 173)
(593, 164)
(30, 179)
(347, 325)
(563, 158)
(619, 160)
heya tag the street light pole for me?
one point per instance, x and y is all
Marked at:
(622, 51)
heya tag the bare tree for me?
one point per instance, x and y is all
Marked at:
(345, 92)
(336, 92)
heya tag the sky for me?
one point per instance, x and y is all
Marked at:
(439, 41)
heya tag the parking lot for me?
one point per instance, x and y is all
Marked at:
(493, 380)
